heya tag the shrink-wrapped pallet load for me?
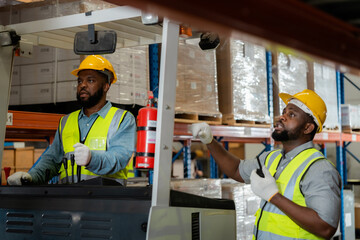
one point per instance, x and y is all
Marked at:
(242, 82)
(325, 87)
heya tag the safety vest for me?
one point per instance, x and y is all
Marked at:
(130, 167)
(271, 222)
(97, 140)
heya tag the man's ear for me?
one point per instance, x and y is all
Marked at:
(309, 128)
(106, 87)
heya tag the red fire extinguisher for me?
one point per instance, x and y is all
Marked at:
(146, 135)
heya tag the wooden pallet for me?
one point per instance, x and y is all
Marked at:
(331, 130)
(197, 117)
(348, 129)
(228, 119)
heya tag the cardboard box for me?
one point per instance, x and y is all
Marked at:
(196, 81)
(15, 76)
(357, 215)
(37, 93)
(14, 95)
(37, 13)
(40, 54)
(67, 54)
(350, 116)
(9, 15)
(37, 73)
(65, 68)
(37, 153)
(66, 91)
(238, 149)
(24, 158)
(8, 159)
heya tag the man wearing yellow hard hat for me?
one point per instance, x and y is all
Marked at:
(299, 187)
(97, 140)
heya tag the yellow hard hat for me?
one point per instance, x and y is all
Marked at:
(96, 62)
(310, 103)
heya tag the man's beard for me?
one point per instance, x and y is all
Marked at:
(92, 100)
(286, 135)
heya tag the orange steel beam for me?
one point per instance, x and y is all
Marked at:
(32, 126)
(290, 23)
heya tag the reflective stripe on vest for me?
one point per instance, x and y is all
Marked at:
(130, 167)
(271, 222)
(97, 139)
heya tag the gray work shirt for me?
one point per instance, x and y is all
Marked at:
(320, 186)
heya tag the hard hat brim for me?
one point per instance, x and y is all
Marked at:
(76, 73)
(286, 97)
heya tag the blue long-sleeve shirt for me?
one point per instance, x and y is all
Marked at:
(121, 147)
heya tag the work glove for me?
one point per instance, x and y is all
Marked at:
(15, 179)
(264, 187)
(82, 154)
(202, 131)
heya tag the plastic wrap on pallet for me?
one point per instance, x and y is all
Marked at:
(325, 86)
(204, 187)
(350, 116)
(248, 66)
(246, 205)
(196, 81)
(292, 73)
(242, 81)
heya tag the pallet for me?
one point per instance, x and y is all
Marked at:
(228, 119)
(331, 130)
(348, 129)
(197, 117)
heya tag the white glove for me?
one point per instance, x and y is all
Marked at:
(15, 179)
(264, 187)
(82, 154)
(202, 131)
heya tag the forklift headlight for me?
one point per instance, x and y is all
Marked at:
(8, 38)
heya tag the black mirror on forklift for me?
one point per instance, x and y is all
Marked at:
(95, 42)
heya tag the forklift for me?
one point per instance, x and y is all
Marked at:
(95, 209)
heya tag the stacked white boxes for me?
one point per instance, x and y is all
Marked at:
(205, 187)
(47, 78)
(48, 9)
(36, 79)
(325, 87)
(242, 81)
(246, 205)
(246, 202)
(132, 69)
(292, 75)
(350, 116)
(196, 80)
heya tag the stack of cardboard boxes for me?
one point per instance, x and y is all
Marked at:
(19, 160)
(47, 78)
(196, 81)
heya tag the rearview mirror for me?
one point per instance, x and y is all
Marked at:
(95, 42)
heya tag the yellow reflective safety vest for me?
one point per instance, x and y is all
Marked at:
(97, 140)
(271, 222)
(130, 167)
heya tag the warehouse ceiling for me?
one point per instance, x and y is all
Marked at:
(345, 10)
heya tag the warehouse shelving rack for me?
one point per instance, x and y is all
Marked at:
(43, 31)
